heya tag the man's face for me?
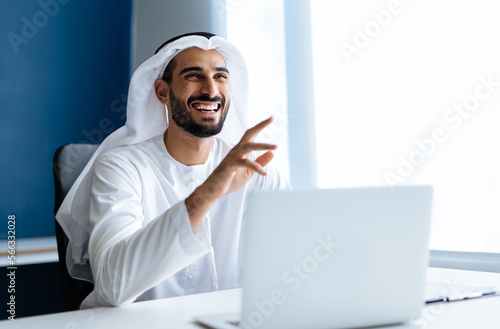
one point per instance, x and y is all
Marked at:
(199, 94)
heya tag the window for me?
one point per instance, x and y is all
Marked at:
(257, 29)
(408, 92)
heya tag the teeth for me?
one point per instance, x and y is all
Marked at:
(206, 107)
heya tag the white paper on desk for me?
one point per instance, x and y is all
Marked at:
(434, 290)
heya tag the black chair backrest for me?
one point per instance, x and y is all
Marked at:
(67, 164)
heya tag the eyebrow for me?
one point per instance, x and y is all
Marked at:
(223, 69)
(199, 69)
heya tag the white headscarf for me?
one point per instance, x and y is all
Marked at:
(146, 118)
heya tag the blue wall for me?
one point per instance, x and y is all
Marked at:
(64, 74)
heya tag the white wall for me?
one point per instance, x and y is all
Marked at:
(156, 21)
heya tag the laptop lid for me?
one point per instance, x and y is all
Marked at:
(335, 258)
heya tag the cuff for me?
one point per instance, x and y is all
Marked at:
(191, 242)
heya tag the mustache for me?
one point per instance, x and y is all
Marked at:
(205, 98)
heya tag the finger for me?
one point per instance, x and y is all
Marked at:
(249, 147)
(251, 133)
(265, 158)
(252, 165)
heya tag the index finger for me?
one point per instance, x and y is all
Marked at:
(251, 133)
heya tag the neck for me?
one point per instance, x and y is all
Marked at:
(186, 148)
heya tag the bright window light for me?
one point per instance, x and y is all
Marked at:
(408, 92)
(257, 29)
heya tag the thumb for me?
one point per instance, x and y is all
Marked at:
(265, 158)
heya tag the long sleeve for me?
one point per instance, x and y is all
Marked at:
(273, 181)
(128, 254)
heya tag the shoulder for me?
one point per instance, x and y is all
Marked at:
(274, 180)
(122, 166)
(135, 155)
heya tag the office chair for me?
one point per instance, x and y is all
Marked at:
(67, 164)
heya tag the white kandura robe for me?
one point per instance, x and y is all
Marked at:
(141, 243)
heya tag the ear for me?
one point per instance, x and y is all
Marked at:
(162, 91)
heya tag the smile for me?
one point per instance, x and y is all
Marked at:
(207, 107)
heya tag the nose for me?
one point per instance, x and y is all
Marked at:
(209, 88)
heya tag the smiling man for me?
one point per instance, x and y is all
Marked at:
(213, 80)
(158, 211)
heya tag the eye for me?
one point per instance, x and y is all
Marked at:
(221, 76)
(192, 75)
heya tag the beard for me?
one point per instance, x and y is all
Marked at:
(183, 118)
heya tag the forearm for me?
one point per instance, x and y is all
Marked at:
(199, 202)
(133, 264)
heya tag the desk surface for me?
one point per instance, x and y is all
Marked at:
(178, 312)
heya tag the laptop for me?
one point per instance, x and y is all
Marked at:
(338, 258)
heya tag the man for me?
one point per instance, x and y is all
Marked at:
(158, 210)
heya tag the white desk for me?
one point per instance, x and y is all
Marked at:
(177, 313)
